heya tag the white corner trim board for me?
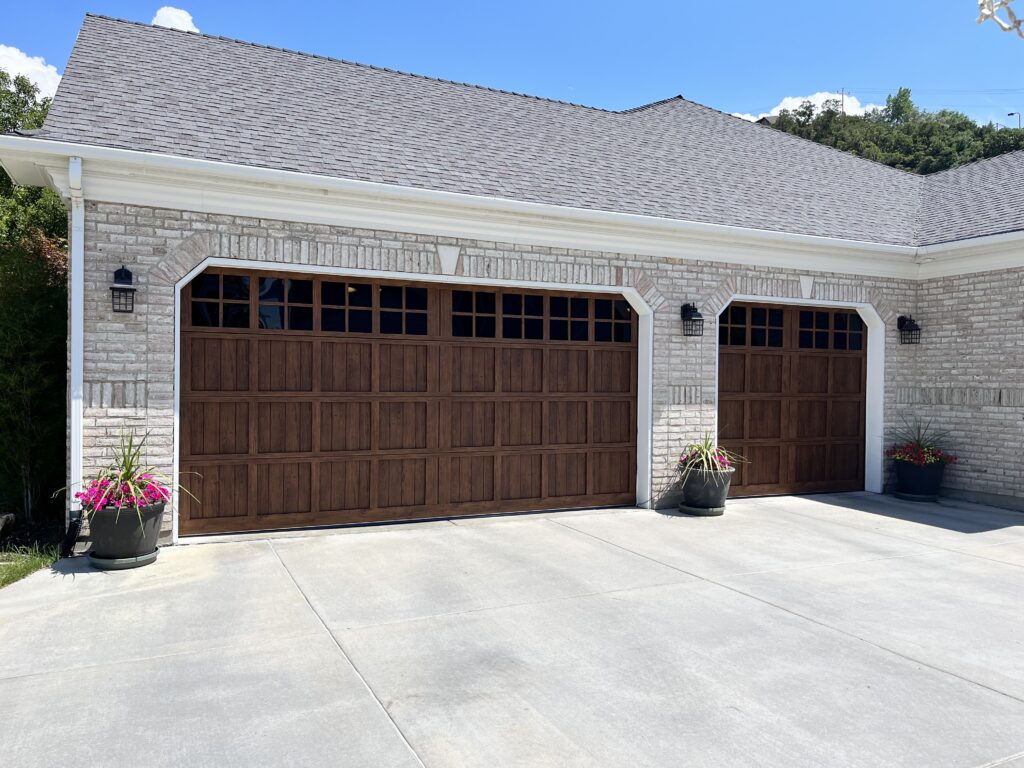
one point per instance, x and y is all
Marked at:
(645, 350)
(169, 181)
(76, 321)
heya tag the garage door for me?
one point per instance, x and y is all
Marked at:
(314, 400)
(791, 384)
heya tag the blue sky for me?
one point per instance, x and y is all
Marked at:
(741, 57)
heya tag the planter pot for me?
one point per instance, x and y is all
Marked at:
(120, 541)
(704, 493)
(917, 483)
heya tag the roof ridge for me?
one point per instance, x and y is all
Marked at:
(976, 162)
(809, 141)
(374, 67)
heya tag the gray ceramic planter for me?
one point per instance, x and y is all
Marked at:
(704, 493)
(120, 540)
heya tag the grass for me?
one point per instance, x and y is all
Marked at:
(18, 562)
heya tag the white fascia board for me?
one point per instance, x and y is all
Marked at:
(979, 254)
(171, 181)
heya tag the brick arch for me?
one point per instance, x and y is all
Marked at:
(183, 259)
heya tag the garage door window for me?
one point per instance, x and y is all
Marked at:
(346, 307)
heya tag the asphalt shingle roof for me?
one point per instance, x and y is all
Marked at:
(152, 89)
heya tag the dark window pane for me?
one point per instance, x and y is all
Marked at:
(622, 310)
(559, 306)
(485, 303)
(236, 315)
(758, 316)
(534, 328)
(806, 339)
(723, 335)
(236, 287)
(204, 313)
(775, 318)
(602, 309)
(738, 315)
(206, 287)
(332, 320)
(391, 297)
(580, 307)
(806, 318)
(300, 291)
(839, 323)
(737, 336)
(359, 295)
(774, 337)
(512, 304)
(821, 339)
(416, 323)
(580, 330)
(485, 326)
(512, 327)
(271, 289)
(758, 337)
(462, 301)
(856, 340)
(623, 332)
(390, 322)
(271, 317)
(333, 294)
(462, 325)
(559, 330)
(839, 339)
(360, 321)
(856, 324)
(821, 320)
(300, 318)
(602, 331)
(415, 298)
(533, 305)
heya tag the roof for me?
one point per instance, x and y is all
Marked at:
(213, 98)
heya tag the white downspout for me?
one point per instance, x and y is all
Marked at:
(76, 319)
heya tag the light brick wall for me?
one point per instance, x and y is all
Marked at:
(129, 358)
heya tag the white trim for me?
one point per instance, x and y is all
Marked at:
(645, 342)
(76, 319)
(874, 405)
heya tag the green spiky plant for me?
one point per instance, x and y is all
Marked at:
(706, 456)
(127, 483)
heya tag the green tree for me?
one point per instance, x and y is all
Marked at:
(901, 134)
(33, 326)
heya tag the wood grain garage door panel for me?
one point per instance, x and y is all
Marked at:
(313, 400)
(791, 397)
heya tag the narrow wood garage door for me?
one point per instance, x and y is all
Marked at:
(320, 400)
(791, 397)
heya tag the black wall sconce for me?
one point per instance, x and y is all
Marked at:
(910, 331)
(122, 294)
(693, 321)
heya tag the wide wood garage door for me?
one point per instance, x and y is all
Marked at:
(323, 400)
(791, 384)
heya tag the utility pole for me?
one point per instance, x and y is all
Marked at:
(842, 97)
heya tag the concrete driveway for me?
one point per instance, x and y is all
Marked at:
(849, 630)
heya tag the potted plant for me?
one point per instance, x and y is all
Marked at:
(705, 472)
(919, 461)
(124, 505)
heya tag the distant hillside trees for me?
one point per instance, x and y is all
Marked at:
(901, 134)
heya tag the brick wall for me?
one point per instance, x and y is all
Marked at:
(129, 358)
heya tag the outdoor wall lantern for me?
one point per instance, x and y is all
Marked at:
(693, 321)
(910, 331)
(122, 294)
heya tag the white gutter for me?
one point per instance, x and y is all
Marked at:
(76, 319)
(252, 174)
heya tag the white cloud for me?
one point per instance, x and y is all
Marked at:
(35, 68)
(852, 104)
(175, 18)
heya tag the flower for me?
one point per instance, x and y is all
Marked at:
(920, 455)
